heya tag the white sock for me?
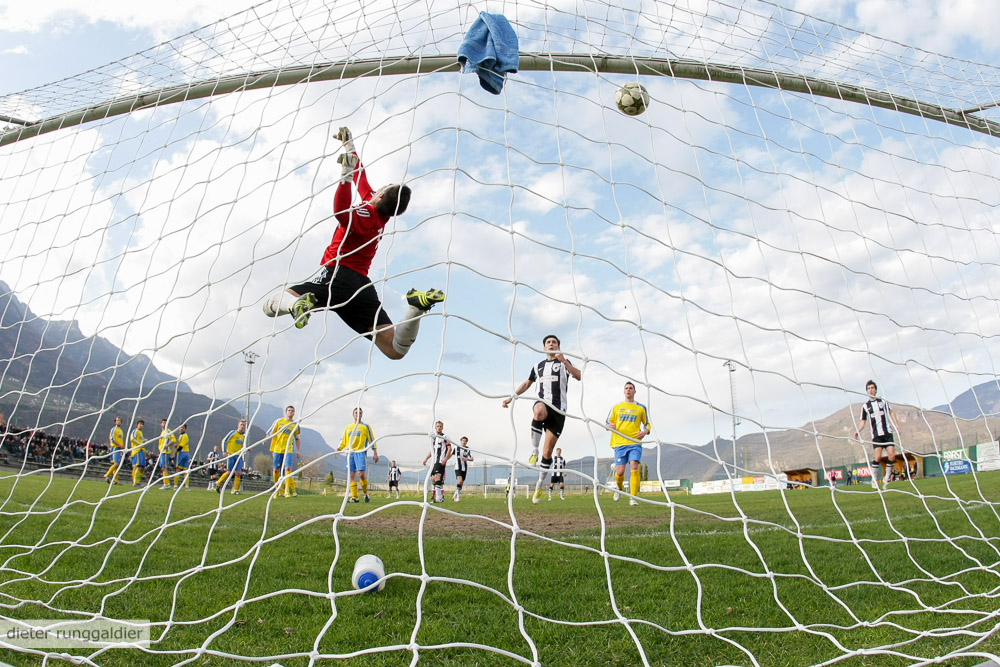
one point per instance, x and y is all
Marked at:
(279, 303)
(406, 332)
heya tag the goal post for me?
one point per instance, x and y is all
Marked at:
(21, 129)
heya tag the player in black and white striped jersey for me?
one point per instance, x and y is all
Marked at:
(549, 412)
(395, 474)
(558, 474)
(879, 415)
(462, 457)
(213, 467)
(441, 449)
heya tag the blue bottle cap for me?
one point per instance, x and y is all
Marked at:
(366, 579)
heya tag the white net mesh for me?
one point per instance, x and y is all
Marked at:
(810, 242)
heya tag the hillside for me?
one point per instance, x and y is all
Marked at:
(54, 378)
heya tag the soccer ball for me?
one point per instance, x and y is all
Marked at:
(632, 98)
(367, 570)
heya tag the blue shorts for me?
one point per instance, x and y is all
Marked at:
(288, 460)
(234, 463)
(626, 453)
(183, 459)
(164, 461)
(139, 460)
(357, 461)
(277, 460)
(116, 455)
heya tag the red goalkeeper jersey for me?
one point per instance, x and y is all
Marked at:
(359, 228)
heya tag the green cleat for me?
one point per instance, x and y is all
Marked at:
(301, 308)
(424, 300)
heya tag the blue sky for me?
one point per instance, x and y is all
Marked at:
(740, 252)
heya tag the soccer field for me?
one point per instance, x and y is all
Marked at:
(688, 583)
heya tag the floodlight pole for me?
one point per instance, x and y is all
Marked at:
(732, 398)
(249, 357)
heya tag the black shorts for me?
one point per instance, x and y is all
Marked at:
(557, 479)
(438, 469)
(394, 483)
(350, 295)
(882, 440)
(554, 421)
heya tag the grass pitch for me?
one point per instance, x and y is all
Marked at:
(855, 577)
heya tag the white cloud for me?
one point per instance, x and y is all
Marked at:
(163, 20)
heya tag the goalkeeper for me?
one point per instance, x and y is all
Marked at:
(342, 284)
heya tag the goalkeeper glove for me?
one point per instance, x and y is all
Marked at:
(348, 162)
(344, 134)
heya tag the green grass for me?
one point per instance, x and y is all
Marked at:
(690, 584)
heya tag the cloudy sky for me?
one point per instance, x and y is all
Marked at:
(813, 242)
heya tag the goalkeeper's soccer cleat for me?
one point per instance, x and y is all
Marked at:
(301, 308)
(533, 459)
(537, 498)
(424, 300)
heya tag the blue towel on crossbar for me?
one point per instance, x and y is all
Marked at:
(490, 50)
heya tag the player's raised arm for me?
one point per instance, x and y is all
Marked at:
(521, 388)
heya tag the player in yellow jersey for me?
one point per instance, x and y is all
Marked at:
(233, 445)
(629, 424)
(285, 448)
(137, 452)
(357, 438)
(183, 457)
(116, 442)
(167, 443)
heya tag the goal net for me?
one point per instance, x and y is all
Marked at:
(801, 208)
(503, 490)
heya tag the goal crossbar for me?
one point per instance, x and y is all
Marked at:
(607, 64)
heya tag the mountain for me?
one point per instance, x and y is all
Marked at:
(982, 400)
(54, 378)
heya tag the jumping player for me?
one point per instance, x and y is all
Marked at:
(441, 448)
(549, 412)
(629, 424)
(357, 438)
(879, 415)
(342, 284)
(462, 457)
(558, 472)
